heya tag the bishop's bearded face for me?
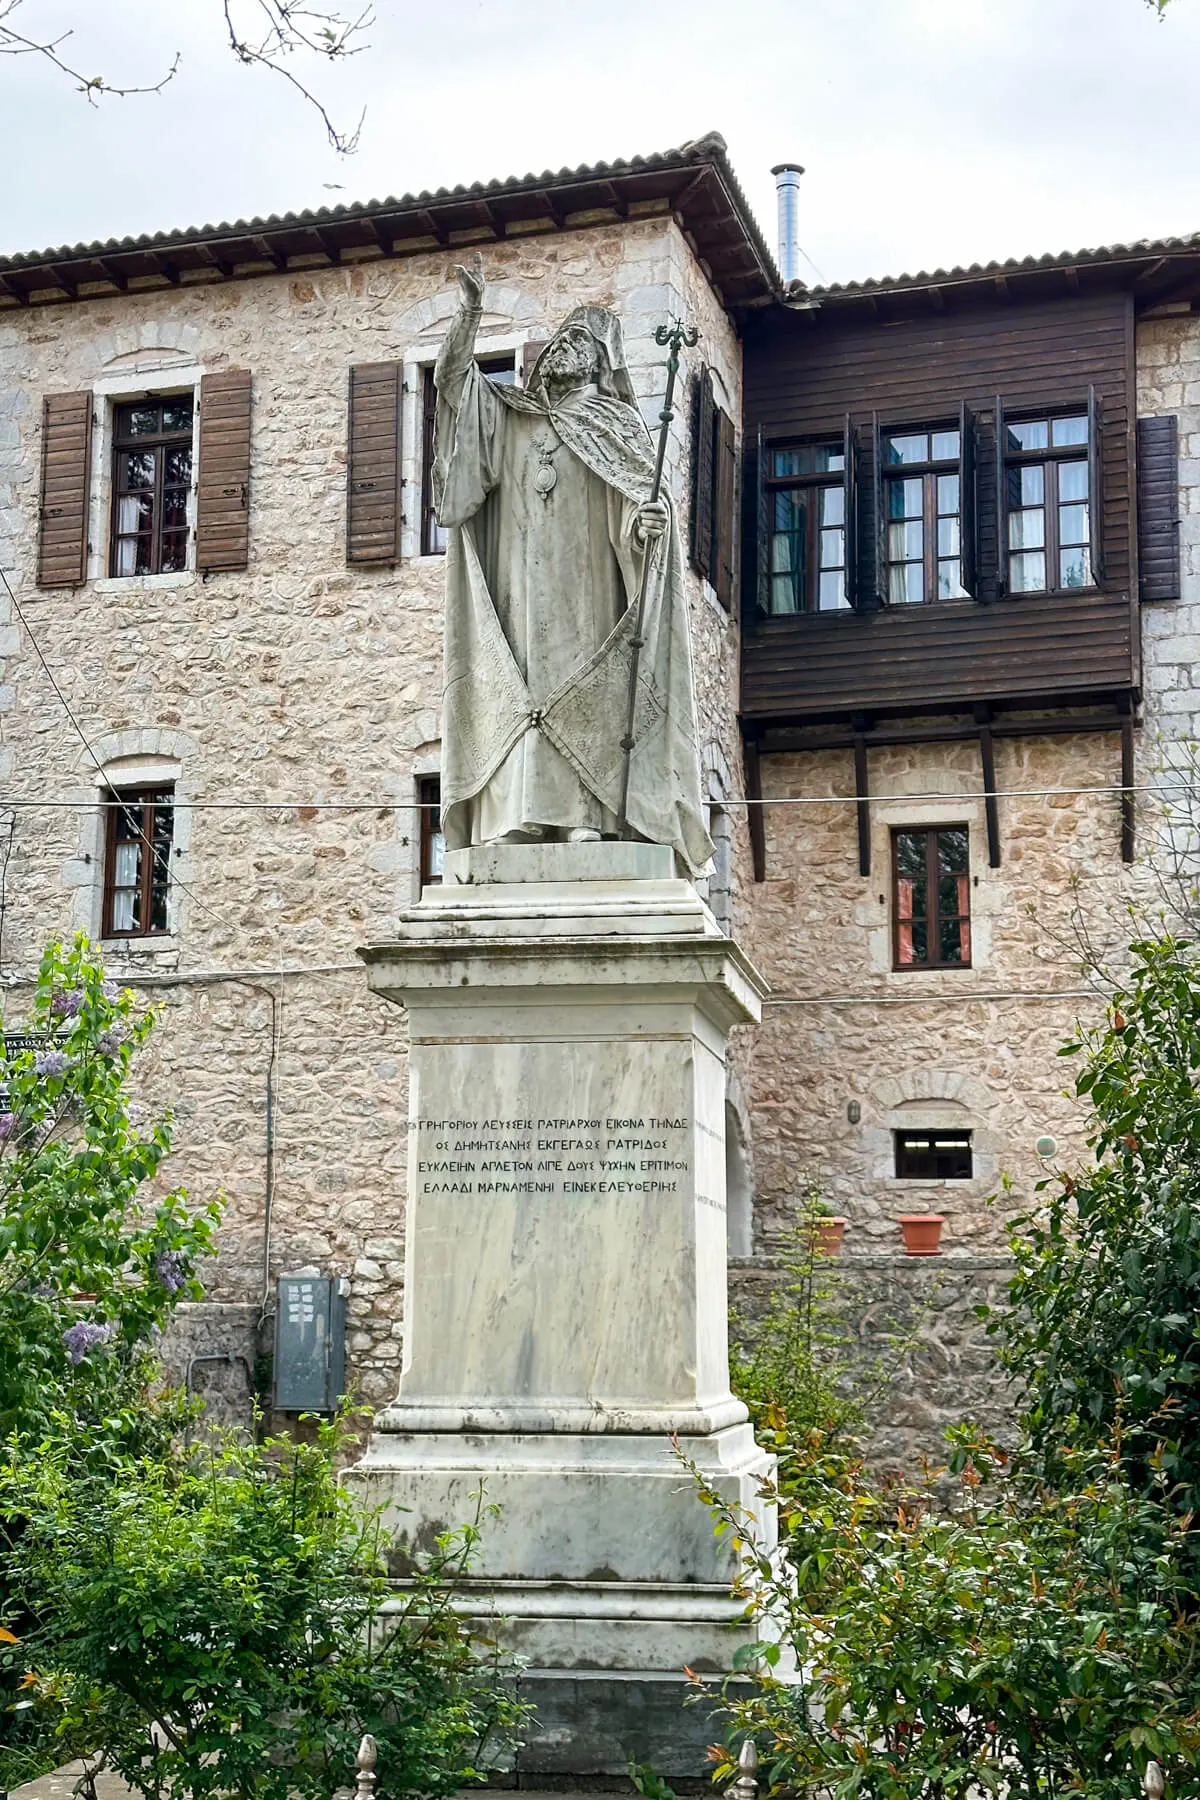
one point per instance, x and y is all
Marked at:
(571, 358)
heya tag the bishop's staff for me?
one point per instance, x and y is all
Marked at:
(676, 336)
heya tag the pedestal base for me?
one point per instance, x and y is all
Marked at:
(565, 1298)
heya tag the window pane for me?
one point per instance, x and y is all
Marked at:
(906, 584)
(952, 946)
(904, 499)
(125, 869)
(136, 469)
(177, 414)
(1069, 431)
(1029, 434)
(950, 585)
(133, 556)
(945, 446)
(1073, 568)
(174, 509)
(140, 420)
(1072, 524)
(833, 553)
(1072, 481)
(920, 940)
(174, 552)
(833, 505)
(910, 853)
(134, 512)
(913, 449)
(1027, 530)
(947, 493)
(1030, 485)
(123, 909)
(906, 541)
(783, 594)
(1027, 574)
(178, 470)
(808, 459)
(831, 595)
(947, 537)
(787, 552)
(953, 851)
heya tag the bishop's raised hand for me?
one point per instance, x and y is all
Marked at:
(470, 282)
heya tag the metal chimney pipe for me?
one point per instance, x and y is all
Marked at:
(787, 187)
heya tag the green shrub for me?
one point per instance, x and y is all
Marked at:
(1024, 1642)
(1104, 1321)
(89, 1268)
(220, 1622)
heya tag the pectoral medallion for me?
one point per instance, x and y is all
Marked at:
(545, 476)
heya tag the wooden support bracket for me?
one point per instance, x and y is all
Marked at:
(862, 793)
(754, 811)
(1127, 794)
(987, 756)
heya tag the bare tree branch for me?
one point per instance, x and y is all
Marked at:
(15, 43)
(287, 26)
(281, 28)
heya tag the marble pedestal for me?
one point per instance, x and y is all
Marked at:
(565, 1290)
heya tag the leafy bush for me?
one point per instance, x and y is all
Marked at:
(88, 1268)
(1024, 1642)
(218, 1620)
(1105, 1303)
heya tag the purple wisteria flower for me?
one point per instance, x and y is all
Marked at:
(172, 1269)
(108, 1043)
(66, 1004)
(52, 1062)
(7, 1121)
(85, 1336)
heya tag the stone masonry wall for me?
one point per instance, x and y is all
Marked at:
(266, 696)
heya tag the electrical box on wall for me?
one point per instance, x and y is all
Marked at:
(310, 1342)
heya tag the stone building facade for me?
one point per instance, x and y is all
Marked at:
(293, 707)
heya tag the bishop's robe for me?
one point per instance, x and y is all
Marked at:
(543, 569)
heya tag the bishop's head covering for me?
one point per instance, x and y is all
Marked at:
(604, 328)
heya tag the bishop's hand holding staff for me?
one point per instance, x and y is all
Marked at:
(546, 495)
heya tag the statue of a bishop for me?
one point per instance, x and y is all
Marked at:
(545, 491)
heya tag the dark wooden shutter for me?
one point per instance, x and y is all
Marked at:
(1001, 474)
(725, 531)
(762, 527)
(529, 355)
(66, 474)
(879, 513)
(966, 499)
(223, 488)
(373, 464)
(1158, 508)
(850, 506)
(702, 475)
(1096, 483)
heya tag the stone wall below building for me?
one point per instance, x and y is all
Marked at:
(914, 1336)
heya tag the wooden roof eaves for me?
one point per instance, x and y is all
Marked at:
(697, 173)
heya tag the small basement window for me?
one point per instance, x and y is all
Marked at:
(933, 1155)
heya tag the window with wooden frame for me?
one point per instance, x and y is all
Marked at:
(808, 507)
(931, 898)
(432, 839)
(933, 1155)
(926, 499)
(498, 368)
(1049, 479)
(137, 861)
(152, 478)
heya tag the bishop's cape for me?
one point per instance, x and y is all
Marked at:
(543, 568)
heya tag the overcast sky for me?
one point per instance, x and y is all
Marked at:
(933, 132)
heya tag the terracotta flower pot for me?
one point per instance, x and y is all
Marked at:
(922, 1233)
(828, 1235)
